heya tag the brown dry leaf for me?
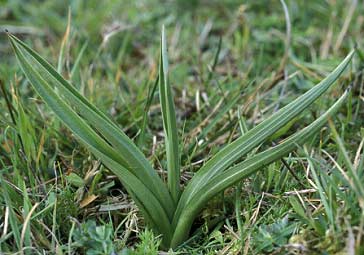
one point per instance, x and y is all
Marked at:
(88, 200)
(8, 146)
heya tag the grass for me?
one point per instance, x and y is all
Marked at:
(231, 67)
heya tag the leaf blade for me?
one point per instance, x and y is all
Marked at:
(242, 170)
(255, 136)
(129, 155)
(169, 123)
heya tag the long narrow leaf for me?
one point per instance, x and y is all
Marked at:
(129, 154)
(232, 152)
(62, 110)
(148, 103)
(242, 170)
(346, 160)
(324, 195)
(145, 201)
(169, 123)
(97, 145)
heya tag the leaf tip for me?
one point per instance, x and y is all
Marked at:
(164, 51)
(163, 29)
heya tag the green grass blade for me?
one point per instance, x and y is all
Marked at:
(358, 187)
(148, 103)
(6, 190)
(242, 170)
(360, 168)
(64, 43)
(240, 147)
(169, 123)
(222, 111)
(323, 194)
(128, 154)
(78, 60)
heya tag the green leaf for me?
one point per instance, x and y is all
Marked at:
(75, 180)
(148, 103)
(148, 202)
(356, 182)
(169, 123)
(240, 171)
(320, 188)
(127, 154)
(298, 208)
(169, 212)
(255, 136)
